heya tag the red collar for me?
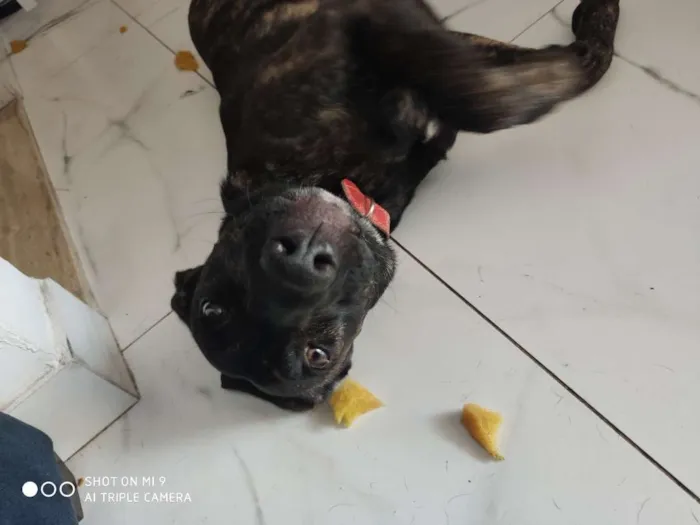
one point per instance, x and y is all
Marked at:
(366, 206)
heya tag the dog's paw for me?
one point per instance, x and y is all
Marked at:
(596, 15)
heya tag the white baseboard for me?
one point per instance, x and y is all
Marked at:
(60, 367)
(27, 5)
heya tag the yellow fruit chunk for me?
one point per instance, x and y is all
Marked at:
(350, 400)
(483, 426)
(17, 46)
(185, 61)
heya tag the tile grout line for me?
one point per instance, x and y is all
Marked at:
(133, 379)
(152, 34)
(105, 429)
(554, 376)
(461, 10)
(536, 21)
(145, 332)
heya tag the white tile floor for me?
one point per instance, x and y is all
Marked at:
(577, 236)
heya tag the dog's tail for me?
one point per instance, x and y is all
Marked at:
(480, 85)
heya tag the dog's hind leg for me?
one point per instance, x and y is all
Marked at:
(479, 85)
(587, 26)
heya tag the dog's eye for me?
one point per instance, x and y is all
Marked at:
(317, 358)
(211, 310)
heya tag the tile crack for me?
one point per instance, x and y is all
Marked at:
(259, 516)
(661, 79)
(61, 19)
(463, 9)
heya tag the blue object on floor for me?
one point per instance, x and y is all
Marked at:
(27, 457)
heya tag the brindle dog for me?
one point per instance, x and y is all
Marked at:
(317, 91)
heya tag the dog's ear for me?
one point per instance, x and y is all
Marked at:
(185, 284)
(232, 189)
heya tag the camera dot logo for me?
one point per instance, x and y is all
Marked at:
(48, 489)
(30, 489)
(67, 489)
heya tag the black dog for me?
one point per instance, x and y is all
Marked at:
(317, 92)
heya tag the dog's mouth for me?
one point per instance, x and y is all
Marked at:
(313, 387)
(282, 388)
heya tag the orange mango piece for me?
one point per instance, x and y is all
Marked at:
(350, 400)
(185, 61)
(483, 425)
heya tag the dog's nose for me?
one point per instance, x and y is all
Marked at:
(300, 259)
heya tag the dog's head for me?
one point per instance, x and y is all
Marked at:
(284, 293)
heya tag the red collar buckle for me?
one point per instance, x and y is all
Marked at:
(366, 206)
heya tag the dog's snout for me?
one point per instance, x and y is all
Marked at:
(301, 259)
